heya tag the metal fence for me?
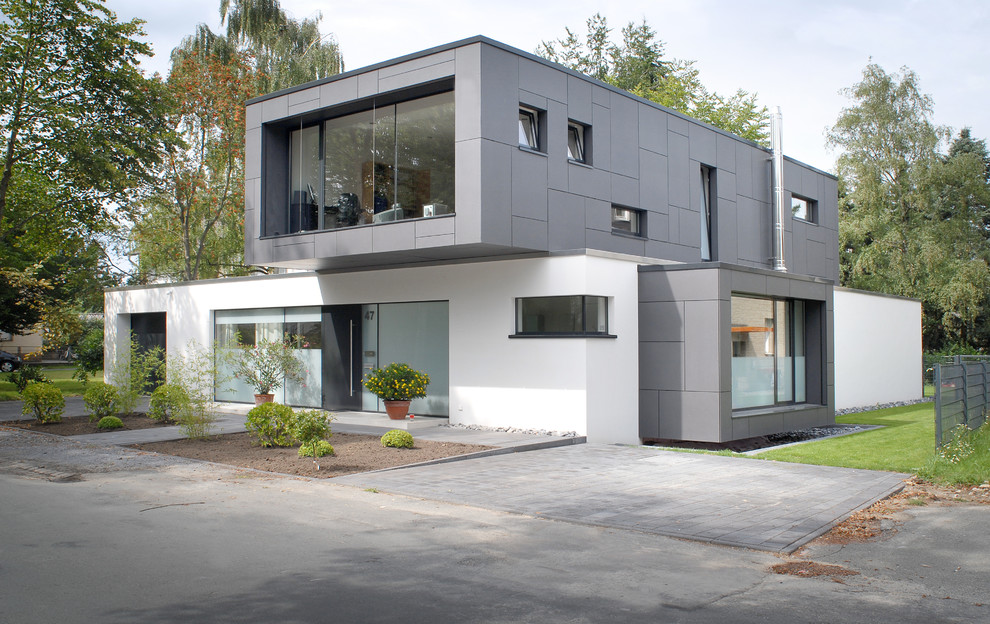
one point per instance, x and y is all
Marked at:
(962, 393)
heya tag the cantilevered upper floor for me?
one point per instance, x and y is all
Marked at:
(476, 149)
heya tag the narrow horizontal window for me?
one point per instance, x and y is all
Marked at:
(576, 144)
(529, 128)
(628, 221)
(577, 315)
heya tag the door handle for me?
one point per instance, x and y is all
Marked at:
(351, 357)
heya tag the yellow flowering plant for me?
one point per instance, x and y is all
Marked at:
(397, 382)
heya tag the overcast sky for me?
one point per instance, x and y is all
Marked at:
(795, 54)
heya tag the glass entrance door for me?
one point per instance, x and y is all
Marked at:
(342, 367)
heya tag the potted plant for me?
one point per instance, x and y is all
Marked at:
(266, 366)
(397, 385)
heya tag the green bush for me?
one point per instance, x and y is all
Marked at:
(312, 429)
(169, 402)
(110, 422)
(397, 438)
(397, 382)
(29, 373)
(43, 401)
(101, 400)
(322, 448)
(272, 424)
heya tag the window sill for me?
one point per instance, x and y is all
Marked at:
(563, 335)
(748, 412)
(530, 150)
(805, 221)
(626, 234)
(579, 163)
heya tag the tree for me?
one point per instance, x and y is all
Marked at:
(191, 224)
(638, 65)
(191, 227)
(80, 126)
(912, 219)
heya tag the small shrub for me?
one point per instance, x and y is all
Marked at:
(168, 402)
(397, 382)
(322, 448)
(44, 401)
(397, 438)
(27, 374)
(109, 422)
(101, 400)
(272, 424)
(196, 423)
(312, 428)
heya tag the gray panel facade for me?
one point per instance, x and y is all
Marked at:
(685, 365)
(640, 156)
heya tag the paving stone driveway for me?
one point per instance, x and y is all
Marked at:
(724, 500)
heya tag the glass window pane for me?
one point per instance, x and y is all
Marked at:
(785, 356)
(800, 370)
(753, 347)
(596, 315)
(627, 220)
(562, 315)
(528, 129)
(304, 179)
(802, 208)
(575, 142)
(425, 156)
(348, 145)
(705, 209)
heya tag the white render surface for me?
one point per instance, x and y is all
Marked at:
(877, 348)
(587, 385)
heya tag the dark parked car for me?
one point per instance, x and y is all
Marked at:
(9, 362)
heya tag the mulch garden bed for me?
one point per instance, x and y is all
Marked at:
(79, 425)
(353, 453)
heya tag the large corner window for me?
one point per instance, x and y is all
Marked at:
(385, 164)
(706, 209)
(768, 352)
(578, 315)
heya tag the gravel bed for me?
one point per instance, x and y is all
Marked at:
(533, 432)
(870, 408)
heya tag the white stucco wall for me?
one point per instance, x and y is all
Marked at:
(877, 348)
(588, 385)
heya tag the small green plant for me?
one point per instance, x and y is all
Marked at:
(397, 438)
(963, 459)
(169, 402)
(272, 424)
(319, 449)
(397, 382)
(109, 422)
(29, 373)
(312, 428)
(43, 401)
(101, 400)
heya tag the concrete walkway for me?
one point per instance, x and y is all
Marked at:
(723, 500)
(755, 504)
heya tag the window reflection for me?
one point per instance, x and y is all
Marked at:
(386, 164)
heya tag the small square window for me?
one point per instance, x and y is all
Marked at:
(628, 220)
(576, 144)
(804, 209)
(529, 128)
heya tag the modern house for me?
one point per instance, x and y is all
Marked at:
(555, 252)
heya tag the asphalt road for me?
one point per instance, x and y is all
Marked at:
(108, 535)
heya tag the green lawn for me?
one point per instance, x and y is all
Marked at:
(61, 376)
(905, 444)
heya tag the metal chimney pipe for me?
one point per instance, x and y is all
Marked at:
(779, 213)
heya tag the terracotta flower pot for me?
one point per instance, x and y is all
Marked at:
(397, 410)
(263, 398)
